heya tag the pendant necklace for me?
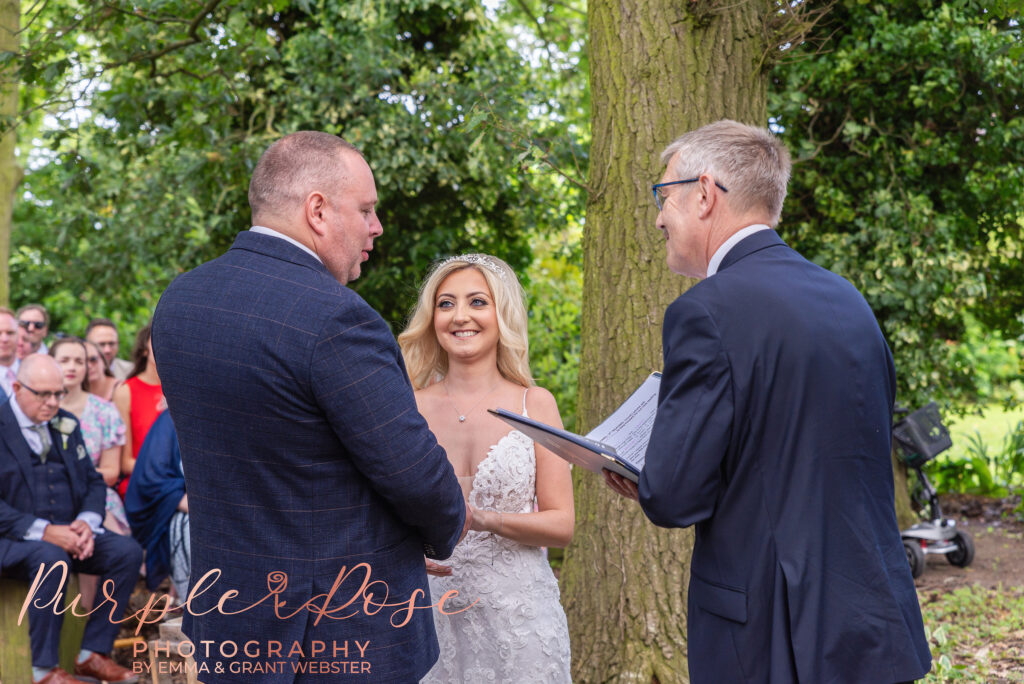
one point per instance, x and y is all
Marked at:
(460, 414)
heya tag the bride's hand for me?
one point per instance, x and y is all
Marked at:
(437, 569)
(487, 521)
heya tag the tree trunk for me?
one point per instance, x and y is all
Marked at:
(905, 515)
(10, 172)
(658, 68)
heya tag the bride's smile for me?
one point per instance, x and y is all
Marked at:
(465, 319)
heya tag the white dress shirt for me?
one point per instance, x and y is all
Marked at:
(35, 443)
(263, 230)
(719, 255)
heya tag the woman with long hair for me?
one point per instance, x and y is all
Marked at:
(140, 400)
(102, 382)
(466, 350)
(99, 420)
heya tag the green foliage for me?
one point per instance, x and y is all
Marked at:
(146, 175)
(983, 471)
(996, 363)
(974, 633)
(907, 131)
(554, 305)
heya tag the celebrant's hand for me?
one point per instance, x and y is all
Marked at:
(621, 485)
(436, 569)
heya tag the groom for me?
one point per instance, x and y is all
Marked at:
(772, 437)
(305, 459)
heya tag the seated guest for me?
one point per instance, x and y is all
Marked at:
(34, 320)
(51, 510)
(102, 382)
(158, 507)
(8, 352)
(103, 333)
(140, 400)
(101, 424)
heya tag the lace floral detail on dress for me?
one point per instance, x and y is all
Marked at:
(517, 630)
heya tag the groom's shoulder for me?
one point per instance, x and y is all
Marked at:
(243, 271)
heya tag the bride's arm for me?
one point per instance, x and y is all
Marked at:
(552, 524)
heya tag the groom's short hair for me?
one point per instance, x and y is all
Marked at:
(295, 166)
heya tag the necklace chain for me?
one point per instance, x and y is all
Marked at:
(462, 416)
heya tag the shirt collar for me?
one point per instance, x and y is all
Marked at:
(23, 420)
(263, 230)
(734, 239)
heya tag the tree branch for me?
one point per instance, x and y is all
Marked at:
(193, 39)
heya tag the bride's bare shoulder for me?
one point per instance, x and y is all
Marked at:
(429, 394)
(540, 403)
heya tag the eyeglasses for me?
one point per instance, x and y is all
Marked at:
(46, 396)
(660, 197)
(104, 345)
(32, 325)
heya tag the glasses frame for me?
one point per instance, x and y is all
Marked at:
(658, 186)
(46, 396)
(32, 325)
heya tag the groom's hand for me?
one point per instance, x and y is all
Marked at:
(468, 523)
(437, 569)
(621, 485)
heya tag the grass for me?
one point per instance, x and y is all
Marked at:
(992, 426)
(976, 634)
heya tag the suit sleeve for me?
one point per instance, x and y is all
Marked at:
(360, 382)
(14, 524)
(682, 476)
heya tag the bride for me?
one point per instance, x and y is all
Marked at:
(466, 351)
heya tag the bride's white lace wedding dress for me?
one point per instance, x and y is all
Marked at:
(517, 631)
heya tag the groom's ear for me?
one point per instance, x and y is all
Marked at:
(315, 211)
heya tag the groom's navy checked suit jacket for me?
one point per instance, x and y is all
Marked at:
(773, 438)
(304, 454)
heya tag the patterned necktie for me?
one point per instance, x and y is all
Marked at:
(44, 436)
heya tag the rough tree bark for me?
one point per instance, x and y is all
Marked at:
(10, 172)
(658, 68)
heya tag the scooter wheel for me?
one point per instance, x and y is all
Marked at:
(963, 555)
(915, 557)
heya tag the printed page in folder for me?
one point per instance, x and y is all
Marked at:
(628, 429)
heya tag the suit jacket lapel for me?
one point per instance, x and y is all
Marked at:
(753, 243)
(15, 442)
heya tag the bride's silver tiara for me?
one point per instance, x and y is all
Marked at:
(477, 260)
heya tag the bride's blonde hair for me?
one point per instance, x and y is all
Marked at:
(425, 360)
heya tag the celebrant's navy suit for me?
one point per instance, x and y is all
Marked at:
(58, 489)
(773, 438)
(304, 456)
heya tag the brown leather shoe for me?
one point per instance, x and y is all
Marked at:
(100, 668)
(59, 676)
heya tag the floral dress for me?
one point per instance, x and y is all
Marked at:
(103, 428)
